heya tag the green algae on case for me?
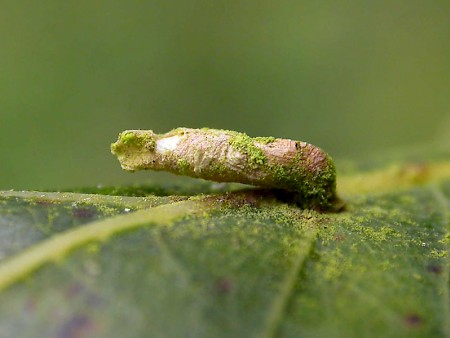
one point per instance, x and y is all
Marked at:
(228, 156)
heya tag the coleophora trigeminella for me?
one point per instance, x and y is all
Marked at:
(229, 156)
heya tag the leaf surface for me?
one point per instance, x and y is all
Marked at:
(241, 264)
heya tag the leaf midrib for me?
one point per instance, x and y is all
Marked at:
(58, 246)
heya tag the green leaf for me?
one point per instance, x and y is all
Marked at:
(238, 264)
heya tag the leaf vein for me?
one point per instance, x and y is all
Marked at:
(280, 303)
(56, 247)
(444, 202)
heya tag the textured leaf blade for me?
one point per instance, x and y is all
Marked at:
(191, 272)
(382, 270)
(239, 265)
(29, 217)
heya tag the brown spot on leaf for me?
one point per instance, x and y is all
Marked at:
(223, 286)
(30, 305)
(434, 268)
(44, 202)
(413, 320)
(239, 199)
(339, 238)
(83, 213)
(73, 290)
(76, 327)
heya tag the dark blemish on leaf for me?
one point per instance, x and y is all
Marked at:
(223, 286)
(413, 320)
(339, 238)
(30, 305)
(77, 326)
(95, 300)
(239, 199)
(44, 202)
(433, 268)
(251, 200)
(83, 213)
(73, 290)
(77, 290)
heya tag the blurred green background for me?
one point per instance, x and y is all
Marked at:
(350, 76)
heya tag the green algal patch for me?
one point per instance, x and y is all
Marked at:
(218, 169)
(246, 145)
(265, 140)
(183, 165)
(127, 138)
(282, 176)
(150, 143)
(310, 191)
(436, 253)
(376, 235)
(177, 131)
(446, 239)
(131, 139)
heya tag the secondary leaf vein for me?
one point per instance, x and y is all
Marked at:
(278, 307)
